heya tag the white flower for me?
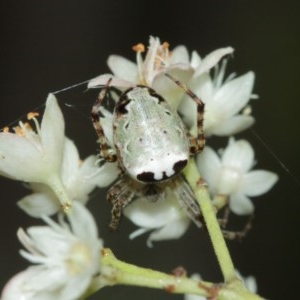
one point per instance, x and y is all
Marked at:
(223, 102)
(230, 175)
(65, 258)
(166, 218)
(36, 156)
(79, 178)
(50, 163)
(150, 71)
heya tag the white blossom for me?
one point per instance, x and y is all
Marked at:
(231, 175)
(79, 178)
(50, 164)
(165, 218)
(151, 70)
(224, 101)
(65, 258)
(36, 156)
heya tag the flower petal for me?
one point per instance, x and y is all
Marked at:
(20, 159)
(38, 204)
(123, 68)
(258, 182)
(188, 112)
(53, 133)
(209, 164)
(44, 246)
(74, 288)
(251, 284)
(35, 283)
(180, 55)
(169, 89)
(81, 215)
(241, 205)
(107, 174)
(195, 59)
(70, 163)
(234, 94)
(231, 126)
(212, 59)
(16, 288)
(202, 86)
(173, 230)
(238, 155)
(146, 214)
(102, 81)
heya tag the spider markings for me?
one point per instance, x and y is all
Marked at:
(148, 149)
(152, 147)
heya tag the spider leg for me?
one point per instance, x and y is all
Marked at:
(187, 199)
(239, 235)
(197, 143)
(105, 150)
(223, 221)
(119, 196)
(220, 202)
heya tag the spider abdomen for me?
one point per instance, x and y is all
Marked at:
(150, 138)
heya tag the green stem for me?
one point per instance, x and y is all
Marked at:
(115, 271)
(201, 193)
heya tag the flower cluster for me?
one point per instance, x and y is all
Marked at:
(226, 101)
(66, 255)
(49, 163)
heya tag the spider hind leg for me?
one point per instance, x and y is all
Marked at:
(119, 196)
(187, 200)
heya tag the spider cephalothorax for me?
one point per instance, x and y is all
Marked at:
(152, 146)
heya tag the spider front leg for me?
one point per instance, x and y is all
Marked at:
(105, 149)
(196, 143)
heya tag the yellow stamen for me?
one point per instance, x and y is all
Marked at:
(32, 115)
(21, 130)
(5, 129)
(165, 45)
(138, 47)
(27, 125)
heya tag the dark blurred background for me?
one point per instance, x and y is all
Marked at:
(49, 45)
